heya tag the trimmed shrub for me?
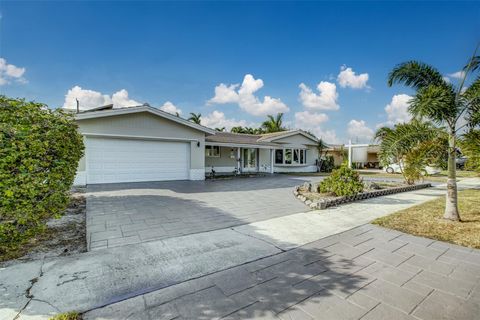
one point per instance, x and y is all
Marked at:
(342, 182)
(39, 153)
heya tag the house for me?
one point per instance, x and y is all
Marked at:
(363, 156)
(147, 144)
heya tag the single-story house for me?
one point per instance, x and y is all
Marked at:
(142, 143)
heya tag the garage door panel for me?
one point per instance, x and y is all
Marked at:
(123, 160)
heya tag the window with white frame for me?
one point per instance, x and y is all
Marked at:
(290, 156)
(212, 151)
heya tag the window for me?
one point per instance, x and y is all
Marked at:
(288, 156)
(233, 154)
(279, 156)
(296, 156)
(212, 151)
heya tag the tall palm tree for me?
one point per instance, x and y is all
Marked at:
(440, 101)
(273, 124)
(195, 117)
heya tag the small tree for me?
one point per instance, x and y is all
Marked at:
(322, 149)
(39, 153)
(412, 145)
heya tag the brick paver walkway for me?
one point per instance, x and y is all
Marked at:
(364, 273)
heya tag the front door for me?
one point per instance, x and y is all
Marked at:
(250, 160)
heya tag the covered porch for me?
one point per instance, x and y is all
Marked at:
(233, 159)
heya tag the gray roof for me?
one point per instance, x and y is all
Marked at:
(238, 138)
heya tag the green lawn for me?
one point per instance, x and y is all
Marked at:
(426, 220)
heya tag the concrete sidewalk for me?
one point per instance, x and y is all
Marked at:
(87, 281)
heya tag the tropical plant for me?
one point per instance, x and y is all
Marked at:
(195, 117)
(246, 130)
(273, 124)
(222, 129)
(39, 153)
(413, 146)
(322, 149)
(440, 101)
(342, 182)
(470, 146)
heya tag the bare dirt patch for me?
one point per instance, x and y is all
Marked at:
(62, 237)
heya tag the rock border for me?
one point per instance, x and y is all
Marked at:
(324, 204)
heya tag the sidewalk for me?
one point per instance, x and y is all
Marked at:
(92, 280)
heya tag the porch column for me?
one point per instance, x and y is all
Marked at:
(272, 155)
(239, 162)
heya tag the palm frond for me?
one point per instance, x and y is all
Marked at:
(436, 103)
(415, 74)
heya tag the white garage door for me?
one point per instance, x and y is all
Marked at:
(124, 160)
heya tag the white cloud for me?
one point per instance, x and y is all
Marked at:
(170, 108)
(217, 119)
(359, 131)
(309, 119)
(312, 122)
(397, 109)
(457, 75)
(89, 99)
(9, 72)
(348, 78)
(120, 99)
(244, 96)
(326, 100)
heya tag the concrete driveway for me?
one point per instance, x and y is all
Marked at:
(128, 213)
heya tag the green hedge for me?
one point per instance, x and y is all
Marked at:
(342, 182)
(39, 153)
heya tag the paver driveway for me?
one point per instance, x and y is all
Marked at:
(121, 214)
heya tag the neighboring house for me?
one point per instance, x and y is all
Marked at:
(146, 144)
(362, 157)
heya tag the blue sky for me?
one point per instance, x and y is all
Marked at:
(159, 52)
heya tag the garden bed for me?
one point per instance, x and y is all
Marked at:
(63, 236)
(318, 201)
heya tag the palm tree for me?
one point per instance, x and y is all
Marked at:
(222, 129)
(321, 147)
(273, 124)
(413, 146)
(195, 117)
(443, 103)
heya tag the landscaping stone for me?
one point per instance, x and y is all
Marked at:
(325, 203)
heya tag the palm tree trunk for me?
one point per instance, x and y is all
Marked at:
(451, 205)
